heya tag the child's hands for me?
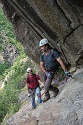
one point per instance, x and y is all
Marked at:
(28, 94)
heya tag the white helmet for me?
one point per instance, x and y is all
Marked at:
(43, 42)
(29, 69)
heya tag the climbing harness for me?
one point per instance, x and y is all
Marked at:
(38, 96)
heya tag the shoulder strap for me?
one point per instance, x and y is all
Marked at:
(52, 52)
(34, 77)
(42, 55)
(54, 49)
(28, 79)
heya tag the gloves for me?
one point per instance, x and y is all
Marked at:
(68, 73)
(28, 94)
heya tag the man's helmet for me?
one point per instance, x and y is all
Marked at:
(29, 69)
(43, 42)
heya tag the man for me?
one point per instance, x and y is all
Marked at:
(32, 85)
(48, 65)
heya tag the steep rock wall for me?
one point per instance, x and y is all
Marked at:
(65, 109)
(61, 21)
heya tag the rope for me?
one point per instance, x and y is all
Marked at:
(78, 75)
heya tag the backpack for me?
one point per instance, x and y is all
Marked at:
(35, 79)
(52, 53)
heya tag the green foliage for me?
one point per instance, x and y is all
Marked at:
(9, 96)
(7, 38)
(13, 41)
(16, 74)
(3, 67)
(1, 47)
(5, 25)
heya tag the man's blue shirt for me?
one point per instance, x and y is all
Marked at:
(49, 60)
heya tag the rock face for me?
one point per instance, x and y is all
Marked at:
(61, 21)
(65, 109)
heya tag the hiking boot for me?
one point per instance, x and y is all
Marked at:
(46, 98)
(33, 108)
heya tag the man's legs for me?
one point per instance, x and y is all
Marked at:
(47, 86)
(38, 95)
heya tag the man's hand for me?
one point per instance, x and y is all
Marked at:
(68, 73)
(50, 75)
(47, 74)
(42, 84)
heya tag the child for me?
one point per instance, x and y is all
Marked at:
(32, 84)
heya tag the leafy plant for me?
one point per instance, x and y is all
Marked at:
(3, 67)
(15, 74)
